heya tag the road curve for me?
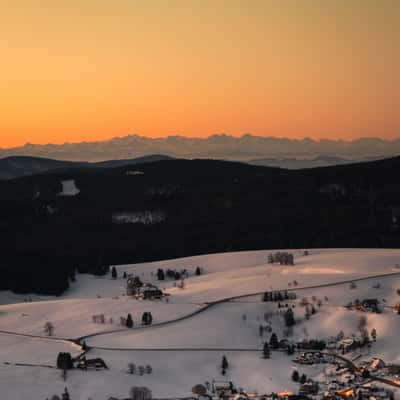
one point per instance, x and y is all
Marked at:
(209, 305)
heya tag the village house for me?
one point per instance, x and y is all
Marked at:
(147, 291)
(376, 363)
(371, 305)
(94, 363)
(151, 292)
(310, 358)
(309, 388)
(223, 388)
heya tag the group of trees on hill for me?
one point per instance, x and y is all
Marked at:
(279, 296)
(173, 274)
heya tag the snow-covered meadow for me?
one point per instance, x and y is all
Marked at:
(189, 351)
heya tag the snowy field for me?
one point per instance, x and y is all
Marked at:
(189, 351)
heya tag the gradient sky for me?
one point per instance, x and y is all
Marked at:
(93, 69)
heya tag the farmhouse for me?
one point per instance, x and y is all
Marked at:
(152, 293)
(223, 388)
(309, 388)
(310, 358)
(376, 363)
(94, 363)
(371, 305)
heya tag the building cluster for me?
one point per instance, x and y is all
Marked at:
(281, 257)
(136, 393)
(366, 305)
(313, 357)
(146, 291)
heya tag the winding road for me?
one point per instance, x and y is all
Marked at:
(207, 306)
(204, 308)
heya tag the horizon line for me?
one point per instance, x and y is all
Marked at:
(228, 135)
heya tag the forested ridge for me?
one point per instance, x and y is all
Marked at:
(205, 206)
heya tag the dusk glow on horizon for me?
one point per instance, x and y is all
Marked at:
(85, 70)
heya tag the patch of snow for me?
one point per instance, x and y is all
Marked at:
(143, 217)
(69, 188)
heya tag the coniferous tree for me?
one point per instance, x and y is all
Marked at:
(295, 376)
(129, 321)
(160, 274)
(266, 351)
(147, 318)
(64, 361)
(114, 274)
(273, 341)
(224, 363)
(290, 349)
(289, 318)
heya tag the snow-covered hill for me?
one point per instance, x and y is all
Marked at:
(188, 351)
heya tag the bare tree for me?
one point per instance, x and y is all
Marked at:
(48, 328)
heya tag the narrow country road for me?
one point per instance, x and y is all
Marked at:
(209, 305)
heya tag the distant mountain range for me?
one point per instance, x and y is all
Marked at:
(17, 166)
(245, 148)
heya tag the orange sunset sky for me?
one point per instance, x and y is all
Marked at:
(93, 69)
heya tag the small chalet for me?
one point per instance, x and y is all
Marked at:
(223, 388)
(371, 305)
(94, 363)
(152, 293)
(376, 363)
(309, 388)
